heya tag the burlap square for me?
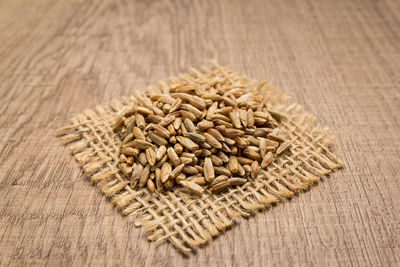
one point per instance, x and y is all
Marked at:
(187, 221)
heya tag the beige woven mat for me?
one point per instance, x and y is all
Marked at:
(186, 221)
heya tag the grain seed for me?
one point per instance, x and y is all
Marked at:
(212, 141)
(150, 185)
(233, 164)
(172, 140)
(150, 156)
(173, 156)
(223, 123)
(188, 115)
(250, 118)
(129, 151)
(196, 112)
(233, 133)
(222, 171)
(216, 161)
(178, 148)
(243, 117)
(283, 148)
(144, 176)
(118, 122)
(142, 144)
(267, 160)
(219, 179)
(206, 152)
(144, 111)
(240, 142)
(211, 110)
(208, 169)
(223, 157)
(137, 133)
(171, 129)
(220, 187)
(177, 123)
(158, 139)
(189, 125)
(140, 122)
(181, 177)
(142, 158)
(224, 110)
(136, 171)
(237, 181)
(253, 140)
(166, 170)
(199, 180)
(278, 116)
(159, 163)
(193, 187)
(187, 143)
(251, 154)
(154, 118)
(127, 138)
(163, 132)
(167, 120)
(254, 169)
(204, 125)
(228, 101)
(125, 169)
(129, 160)
(217, 135)
(190, 170)
(169, 184)
(247, 169)
(161, 152)
(186, 160)
(159, 183)
(212, 96)
(235, 119)
(261, 132)
(244, 161)
(188, 155)
(196, 137)
(175, 105)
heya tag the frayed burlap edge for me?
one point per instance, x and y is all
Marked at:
(186, 221)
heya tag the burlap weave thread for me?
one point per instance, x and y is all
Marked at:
(186, 221)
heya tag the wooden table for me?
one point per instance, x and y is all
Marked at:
(340, 59)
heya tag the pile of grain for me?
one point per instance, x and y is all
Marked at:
(200, 136)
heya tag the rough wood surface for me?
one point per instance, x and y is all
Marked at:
(340, 59)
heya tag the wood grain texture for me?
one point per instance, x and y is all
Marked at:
(340, 59)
